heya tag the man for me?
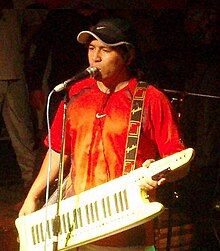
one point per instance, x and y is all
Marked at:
(14, 103)
(98, 117)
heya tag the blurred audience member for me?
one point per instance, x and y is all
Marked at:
(14, 103)
(57, 45)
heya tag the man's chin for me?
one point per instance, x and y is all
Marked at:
(99, 78)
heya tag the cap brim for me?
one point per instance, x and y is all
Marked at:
(84, 37)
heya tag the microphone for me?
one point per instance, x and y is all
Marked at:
(89, 72)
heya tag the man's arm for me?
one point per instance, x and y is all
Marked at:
(39, 185)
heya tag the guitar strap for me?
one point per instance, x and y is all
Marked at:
(134, 127)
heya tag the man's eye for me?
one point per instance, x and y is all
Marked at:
(106, 50)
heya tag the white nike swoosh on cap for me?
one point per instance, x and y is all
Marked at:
(100, 27)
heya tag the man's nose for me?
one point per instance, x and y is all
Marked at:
(96, 56)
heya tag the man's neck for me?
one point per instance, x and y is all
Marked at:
(117, 87)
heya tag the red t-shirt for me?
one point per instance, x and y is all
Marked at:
(97, 143)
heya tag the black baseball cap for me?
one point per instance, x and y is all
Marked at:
(111, 32)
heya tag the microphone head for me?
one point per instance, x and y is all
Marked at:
(93, 71)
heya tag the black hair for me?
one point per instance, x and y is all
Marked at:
(135, 66)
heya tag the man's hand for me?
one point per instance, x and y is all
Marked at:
(148, 183)
(30, 205)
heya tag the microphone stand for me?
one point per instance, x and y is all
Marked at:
(56, 222)
(182, 93)
(91, 71)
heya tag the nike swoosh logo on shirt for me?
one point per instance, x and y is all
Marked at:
(99, 116)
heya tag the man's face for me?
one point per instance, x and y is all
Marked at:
(109, 61)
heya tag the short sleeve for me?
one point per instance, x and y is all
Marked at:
(56, 132)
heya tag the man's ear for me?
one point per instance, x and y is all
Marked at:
(130, 56)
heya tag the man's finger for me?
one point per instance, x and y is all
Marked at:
(148, 162)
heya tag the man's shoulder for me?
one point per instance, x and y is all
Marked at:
(155, 95)
(155, 91)
(152, 89)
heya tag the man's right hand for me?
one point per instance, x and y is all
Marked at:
(30, 205)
